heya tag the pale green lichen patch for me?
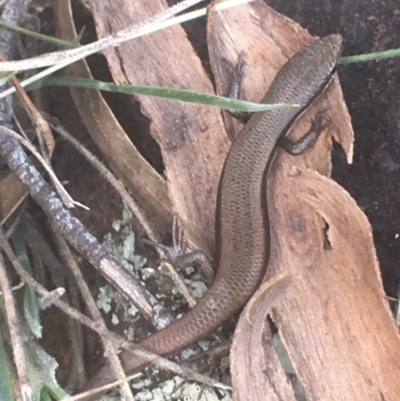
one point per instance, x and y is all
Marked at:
(120, 241)
(114, 319)
(103, 300)
(197, 287)
(173, 389)
(132, 310)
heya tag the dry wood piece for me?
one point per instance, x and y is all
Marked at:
(334, 320)
(132, 169)
(192, 138)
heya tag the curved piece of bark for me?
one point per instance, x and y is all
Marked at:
(334, 319)
(191, 137)
(254, 363)
(336, 323)
(147, 186)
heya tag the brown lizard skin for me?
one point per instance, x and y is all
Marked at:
(243, 232)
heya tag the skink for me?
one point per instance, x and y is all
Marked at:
(243, 234)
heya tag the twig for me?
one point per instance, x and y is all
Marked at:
(162, 25)
(134, 207)
(64, 195)
(40, 125)
(12, 14)
(147, 26)
(71, 228)
(91, 304)
(136, 349)
(83, 51)
(15, 334)
(114, 182)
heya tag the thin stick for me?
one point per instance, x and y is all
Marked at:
(111, 353)
(136, 349)
(16, 336)
(134, 207)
